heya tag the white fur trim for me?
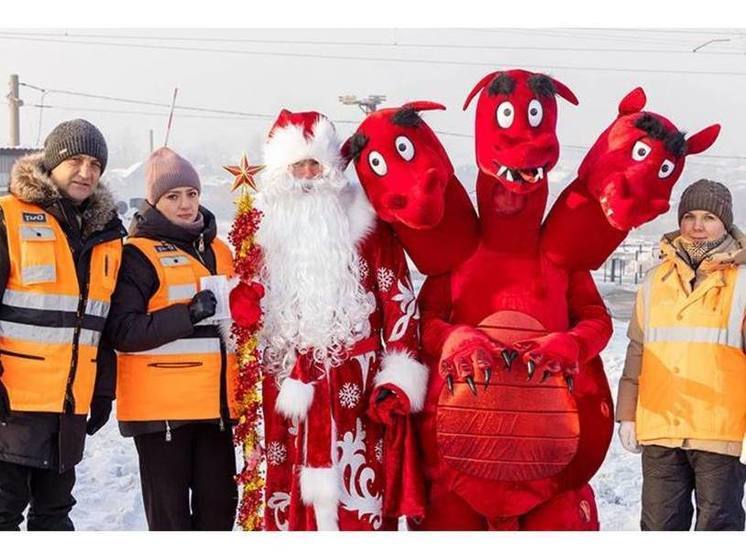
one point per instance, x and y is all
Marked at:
(295, 399)
(360, 212)
(406, 373)
(224, 326)
(320, 488)
(288, 145)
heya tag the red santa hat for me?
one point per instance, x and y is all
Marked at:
(298, 136)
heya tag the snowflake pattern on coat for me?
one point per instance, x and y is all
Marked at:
(385, 278)
(276, 453)
(349, 395)
(362, 269)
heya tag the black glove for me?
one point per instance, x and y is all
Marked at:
(383, 394)
(203, 305)
(4, 403)
(100, 412)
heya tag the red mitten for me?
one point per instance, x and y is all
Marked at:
(387, 402)
(557, 353)
(466, 351)
(244, 301)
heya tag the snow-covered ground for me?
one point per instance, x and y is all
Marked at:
(108, 486)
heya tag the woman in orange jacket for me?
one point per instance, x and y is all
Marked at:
(682, 395)
(176, 374)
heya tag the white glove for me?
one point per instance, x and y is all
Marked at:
(743, 451)
(628, 437)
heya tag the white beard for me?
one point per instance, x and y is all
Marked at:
(314, 300)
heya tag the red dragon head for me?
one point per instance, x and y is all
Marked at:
(401, 164)
(634, 164)
(515, 127)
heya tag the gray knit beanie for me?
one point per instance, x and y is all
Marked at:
(710, 196)
(71, 138)
(166, 169)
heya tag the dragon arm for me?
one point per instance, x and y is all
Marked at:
(589, 318)
(435, 306)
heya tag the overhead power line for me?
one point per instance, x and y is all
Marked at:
(390, 44)
(306, 55)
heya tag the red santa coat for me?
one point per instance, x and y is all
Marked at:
(329, 465)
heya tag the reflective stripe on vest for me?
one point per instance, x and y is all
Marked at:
(184, 346)
(42, 310)
(179, 379)
(693, 378)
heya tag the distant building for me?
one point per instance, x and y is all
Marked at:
(8, 156)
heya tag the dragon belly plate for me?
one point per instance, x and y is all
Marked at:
(515, 430)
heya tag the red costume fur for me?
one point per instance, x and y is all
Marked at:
(520, 455)
(413, 187)
(615, 190)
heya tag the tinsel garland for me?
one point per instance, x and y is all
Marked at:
(247, 262)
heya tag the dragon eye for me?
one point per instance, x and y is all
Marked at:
(377, 163)
(505, 114)
(640, 150)
(535, 113)
(666, 169)
(405, 148)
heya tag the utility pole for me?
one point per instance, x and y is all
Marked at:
(368, 105)
(14, 104)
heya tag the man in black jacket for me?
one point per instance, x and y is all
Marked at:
(39, 448)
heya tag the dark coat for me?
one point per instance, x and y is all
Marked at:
(56, 440)
(130, 327)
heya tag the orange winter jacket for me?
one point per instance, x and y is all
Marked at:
(179, 380)
(49, 327)
(692, 383)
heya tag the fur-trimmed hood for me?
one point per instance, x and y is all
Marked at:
(30, 183)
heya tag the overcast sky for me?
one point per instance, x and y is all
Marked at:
(694, 89)
(261, 71)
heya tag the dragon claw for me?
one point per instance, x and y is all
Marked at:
(487, 377)
(545, 376)
(508, 357)
(470, 381)
(449, 382)
(531, 366)
(570, 383)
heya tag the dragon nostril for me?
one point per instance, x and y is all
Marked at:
(397, 202)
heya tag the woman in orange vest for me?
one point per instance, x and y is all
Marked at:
(176, 373)
(682, 395)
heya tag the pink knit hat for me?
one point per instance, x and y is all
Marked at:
(165, 169)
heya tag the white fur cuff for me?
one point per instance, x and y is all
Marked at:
(406, 373)
(320, 488)
(295, 399)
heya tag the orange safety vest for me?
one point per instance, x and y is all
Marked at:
(180, 379)
(49, 328)
(693, 379)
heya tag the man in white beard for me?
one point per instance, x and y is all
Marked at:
(340, 343)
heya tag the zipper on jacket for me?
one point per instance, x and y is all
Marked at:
(199, 247)
(69, 398)
(69, 403)
(168, 432)
(223, 383)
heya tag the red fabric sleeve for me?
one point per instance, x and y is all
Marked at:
(590, 321)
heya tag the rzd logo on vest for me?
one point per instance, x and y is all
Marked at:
(34, 218)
